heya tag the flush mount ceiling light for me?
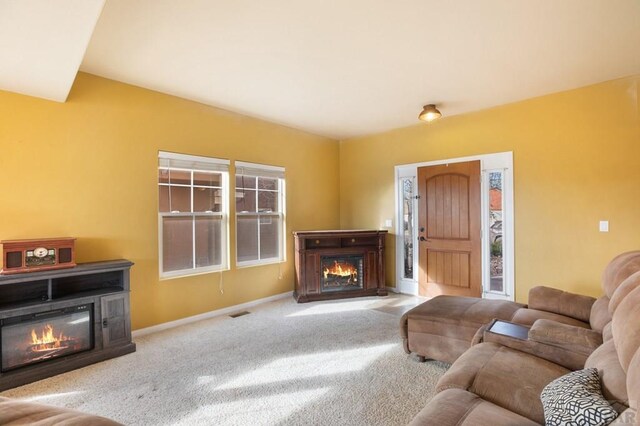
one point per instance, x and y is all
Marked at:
(429, 113)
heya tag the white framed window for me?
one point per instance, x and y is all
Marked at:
(193, 213)
(260, 214)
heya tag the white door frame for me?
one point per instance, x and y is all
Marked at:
(502, 161)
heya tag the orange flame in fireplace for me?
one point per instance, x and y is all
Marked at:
(341, 269)
(47, 340)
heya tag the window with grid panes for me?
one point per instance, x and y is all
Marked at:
(260, 214)
(192, 214)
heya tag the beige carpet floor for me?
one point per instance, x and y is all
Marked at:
(322, 363)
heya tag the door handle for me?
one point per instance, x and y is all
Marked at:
(422, 238)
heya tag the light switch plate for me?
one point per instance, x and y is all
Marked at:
(388, 223)
(604, 226)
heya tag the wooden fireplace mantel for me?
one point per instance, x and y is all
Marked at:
(312, 246)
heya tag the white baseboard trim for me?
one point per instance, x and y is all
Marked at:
(393, 289)
(407, 287)
(212, 314)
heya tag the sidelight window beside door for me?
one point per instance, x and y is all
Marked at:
(495, 231)
(408, 235)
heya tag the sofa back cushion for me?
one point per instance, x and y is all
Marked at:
(549, 299)
(633, 382)
(612, 376)
(631, 416)
(600, 315)
(627, 286)
(618, 359)
(618, 270)
(626, 328)
(607, 334)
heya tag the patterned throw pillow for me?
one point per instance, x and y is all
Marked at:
(576, 399)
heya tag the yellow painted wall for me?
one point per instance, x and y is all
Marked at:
(576, 161)
(87, 168)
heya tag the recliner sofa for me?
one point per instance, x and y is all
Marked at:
(498, 382)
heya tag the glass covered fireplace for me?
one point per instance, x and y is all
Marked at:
(34, 338)
(340, 273)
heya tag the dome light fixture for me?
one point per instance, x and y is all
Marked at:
(429, 113)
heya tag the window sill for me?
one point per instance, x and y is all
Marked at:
(191, 274)
(251, 264)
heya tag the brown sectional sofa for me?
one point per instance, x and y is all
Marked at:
(446, 326)
(14, 412)
(499, 382)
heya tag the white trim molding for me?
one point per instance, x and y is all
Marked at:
(186, 161)
(207, 315)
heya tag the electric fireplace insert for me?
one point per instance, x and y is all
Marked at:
(342, 273)
(30, 339)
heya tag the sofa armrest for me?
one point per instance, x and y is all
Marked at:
(575, 339)
(557, 343)
(561, 302)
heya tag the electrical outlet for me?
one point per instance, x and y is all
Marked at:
(388, 223)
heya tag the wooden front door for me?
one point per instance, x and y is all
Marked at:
(449, 229)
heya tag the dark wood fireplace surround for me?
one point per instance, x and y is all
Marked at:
(102, 285)
(311, 246)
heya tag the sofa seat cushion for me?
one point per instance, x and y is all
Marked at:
(528, 316)
(16, 412)
(465, 310)
(457, 407)
(506, 377)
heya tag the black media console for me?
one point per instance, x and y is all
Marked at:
(55, 321)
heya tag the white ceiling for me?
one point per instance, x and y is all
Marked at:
(343, 68)
(42, 43)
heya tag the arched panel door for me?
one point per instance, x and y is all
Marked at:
(449, 230)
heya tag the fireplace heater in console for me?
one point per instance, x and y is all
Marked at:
(55, 321)
(339, 263)
(34, 338)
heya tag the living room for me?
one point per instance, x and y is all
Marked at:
(85, 122)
